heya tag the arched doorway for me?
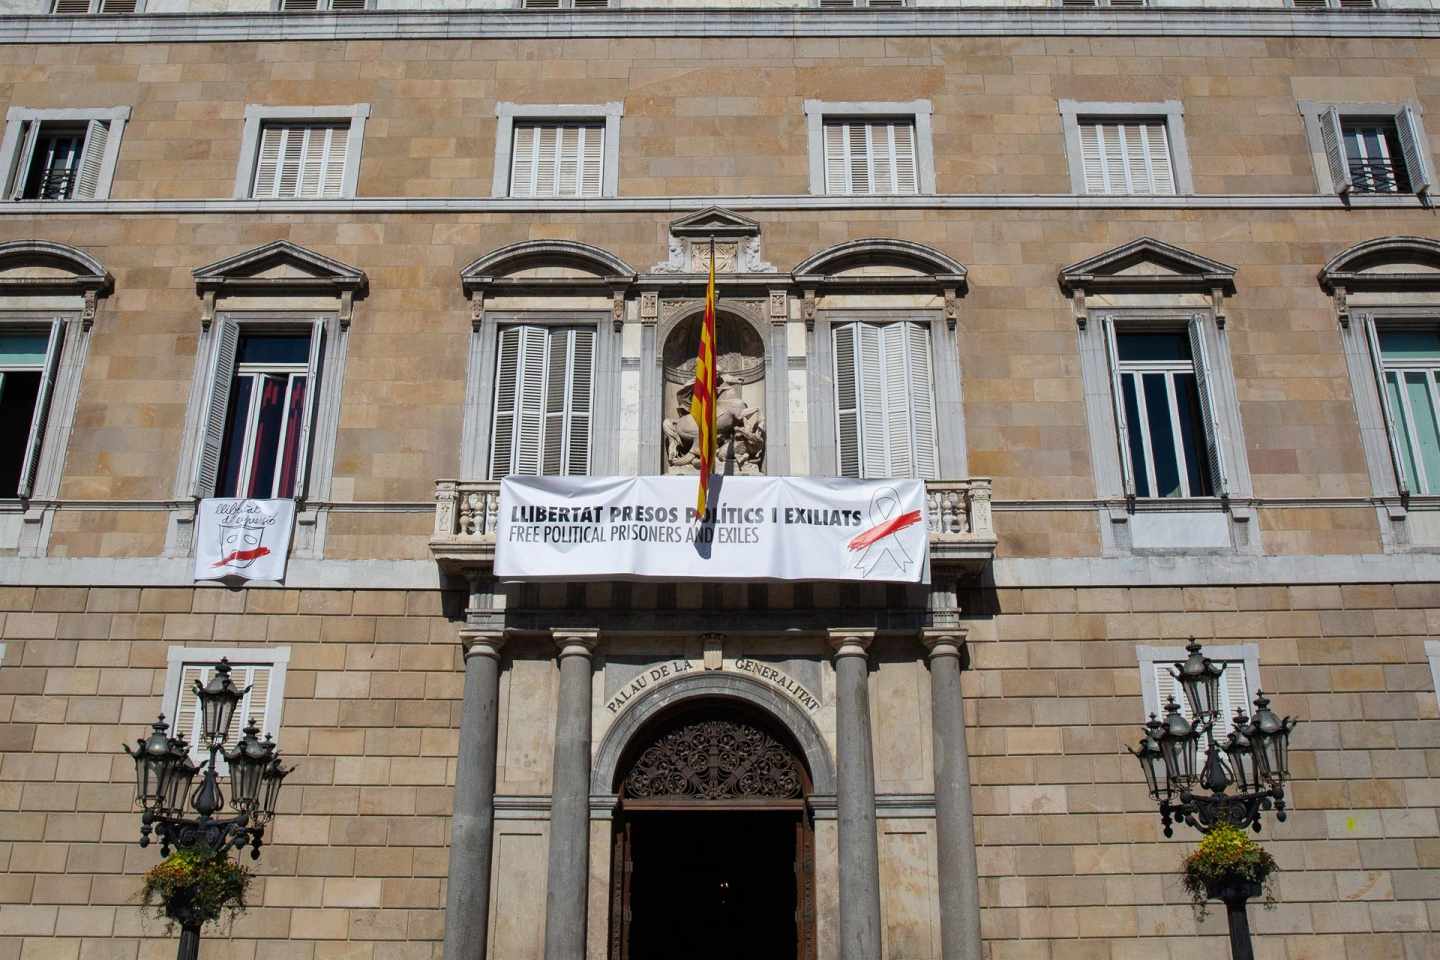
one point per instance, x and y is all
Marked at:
(713, 848)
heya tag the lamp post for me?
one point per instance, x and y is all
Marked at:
(164, 775)
(1241, 777)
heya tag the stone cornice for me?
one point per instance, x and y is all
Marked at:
(730, 22)
(775, 202)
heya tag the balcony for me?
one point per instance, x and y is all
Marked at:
(1378, 176)
(961, 531)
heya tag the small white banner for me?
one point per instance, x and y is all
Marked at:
(243, 539)
(756, 528)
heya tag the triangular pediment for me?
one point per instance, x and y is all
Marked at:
(279, 264)
(1148, 262)
(714, 221)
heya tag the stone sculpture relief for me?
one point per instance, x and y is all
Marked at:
(739, 407)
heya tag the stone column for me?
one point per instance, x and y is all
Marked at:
(954, 815)
(472, 827)
(566, 894)
(855, 801)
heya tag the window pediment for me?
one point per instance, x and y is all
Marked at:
(279, 269)
(44, 267)
(1148, 266)
(1385, 263)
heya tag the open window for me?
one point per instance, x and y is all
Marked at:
(1363, 149)
(61, 154)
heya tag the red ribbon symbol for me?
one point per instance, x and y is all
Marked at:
(255, 554)
(884, 530)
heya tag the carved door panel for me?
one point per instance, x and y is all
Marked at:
(805, 948)
(622, 868)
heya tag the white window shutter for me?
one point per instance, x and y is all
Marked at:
(896, 372)
(592, 161)
(313, 374)
(1092, 158)
(337, 150)
(1333, 140)
(24, 157)
(557, 402)
(581, 387)
(1234, 695)
(256, 704)
(1412, 146)
(902, 139)
(530, 402)
(92, 158)
(522, 161)
(41, 416)
(186, 722)
(299, 4)
(847, 402)
(1214, 433)
(212, 414)
(547, 160)
(507, 390)
(1392, 434)
(1166, 686)
(267, 162)
(837, 163)
(861, 170)
(1156, 139)
(922, 400)
(118, 6)
(1112, 152)
(1117, 395)
(870, 374)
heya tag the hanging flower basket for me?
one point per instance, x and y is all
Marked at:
(194, 885)
(1228, 865)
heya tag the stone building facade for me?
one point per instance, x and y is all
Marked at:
(946, 776)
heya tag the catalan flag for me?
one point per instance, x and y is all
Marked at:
(702, 396)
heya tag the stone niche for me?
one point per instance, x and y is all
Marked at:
(740, 407)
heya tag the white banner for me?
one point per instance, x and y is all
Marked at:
(243, 539)
(757, 528)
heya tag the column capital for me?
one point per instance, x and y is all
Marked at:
(575, 641)
(945, 642)
(481, 643)
(849, 642)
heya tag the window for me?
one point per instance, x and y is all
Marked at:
(1160, 414)
(549, 151)
(260, 409)
(1237, 683)
(1126, 149)
(884, 400)
(1102, 3)
(29, 358)
(1410, 363)
(301, 153)
(544, 386)
(849, 4)
(1163, 409)
(61, 154)
(564, 4)
(1333, 4)
(108, 7)
(557, 159)
(268, 416)
(1368, 148)
(870, 156)
(337, 6)
(262, 669)
(859, 149)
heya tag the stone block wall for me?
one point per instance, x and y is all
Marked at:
(1071, 857)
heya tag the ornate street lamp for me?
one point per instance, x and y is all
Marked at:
(164, 775)
(1253, 760)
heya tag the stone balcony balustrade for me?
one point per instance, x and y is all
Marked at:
(962, 532)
